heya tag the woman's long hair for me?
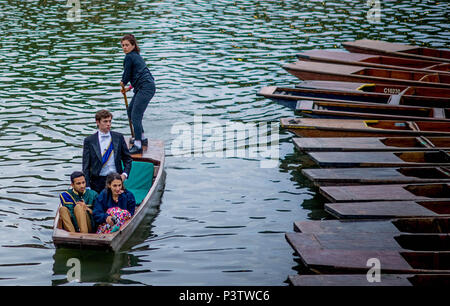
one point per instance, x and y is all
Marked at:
(132, 40)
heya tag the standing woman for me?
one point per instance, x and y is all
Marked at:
(136, 72)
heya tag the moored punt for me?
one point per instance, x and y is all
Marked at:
(326, 109)
(334, 72)
(397, 192)
(419, 280)
(421, 143)
(389, 209)
(339, 254)
(375, 61)
(397, 50)
(376, 176)
(390, 89)
(381, 159)
(146, 181)
(290, 96)
(371, 241)
(309, 127)
(406, 225)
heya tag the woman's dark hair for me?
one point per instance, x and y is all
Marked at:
(111, 177)
(132, 40)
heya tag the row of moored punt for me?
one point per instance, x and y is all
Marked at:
(379, 130)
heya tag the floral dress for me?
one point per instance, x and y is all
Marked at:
(122, 216)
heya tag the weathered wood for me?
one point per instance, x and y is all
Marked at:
(391, 89)
(429, 280)
(340, 109)
(350, 252)
(375, 61)
(308, 127)
(372, 144)
(406, 225)
(397, 192)
(388, 209)
(289, 97)
(334, 72)
(397, 50)
(374, 176)
(381, 159)
(114, 241)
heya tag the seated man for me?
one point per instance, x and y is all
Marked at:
(77, 203)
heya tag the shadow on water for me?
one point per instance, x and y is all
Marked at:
(294, 163)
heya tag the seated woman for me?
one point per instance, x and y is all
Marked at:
(113, 206)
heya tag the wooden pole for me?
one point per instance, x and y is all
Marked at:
(126, 105)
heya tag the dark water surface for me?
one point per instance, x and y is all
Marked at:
(221, 220)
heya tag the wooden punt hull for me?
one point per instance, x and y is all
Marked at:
(322, 109)
(397, 50)
(62, 238)
(376, 176)
(381, 159)
(333, 72)
(341, 254)
(389, 209)
(375, 61)
(405, 225)
(397, 192)
(349, 144)
(417, 280)
(390, 89)
(309, 127)
(290, 96)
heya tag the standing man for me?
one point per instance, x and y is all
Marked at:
(104, 152)
(77, 204)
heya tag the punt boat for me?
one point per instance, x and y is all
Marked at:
(389, 209)
(421, 143)
(309, 127)
(349, 254)
(390, 89)
(375, 61)
(329, 109)
(397, 50)
(397, 192)
(404, 280)
(146, 181)
(381, 159)
(290, 96)
(377, 176)
(404, 225)
(334, 72)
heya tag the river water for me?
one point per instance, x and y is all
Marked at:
(222, 217)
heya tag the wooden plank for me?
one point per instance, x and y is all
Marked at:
(381, 210)
(308, 127)
(397, 49)
(380, 159)
(374, 176)
(339, 226)
(406, 225)
(371, 143)
(396, 192)
(351, 280)
(375, 61)
(334, 72)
